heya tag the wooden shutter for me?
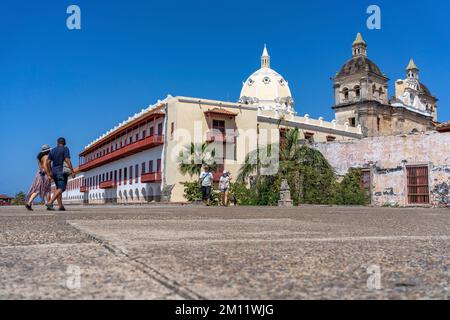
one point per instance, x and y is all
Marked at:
(417, 184)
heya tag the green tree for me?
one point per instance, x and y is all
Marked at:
(349, 190)
(257, 161)
(19, 199)
(319, 179)
(191, 160)
(194, 157)
(310, 176)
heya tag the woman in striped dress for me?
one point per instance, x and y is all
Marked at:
(42, 184)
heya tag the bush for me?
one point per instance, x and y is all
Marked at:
(192, 192)
(308, 185)
(19, 199)
(243, 195)
(267, 190)
(349, 191)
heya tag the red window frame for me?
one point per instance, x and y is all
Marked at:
(418, 184)
(160, 128)
(150, 166)
(131, 174)
(158, 165)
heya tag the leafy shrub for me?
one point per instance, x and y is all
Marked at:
(244, 196)
(192, 192)
(19, 199)
(349, 190)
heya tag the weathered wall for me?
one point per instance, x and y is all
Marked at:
(388, 157)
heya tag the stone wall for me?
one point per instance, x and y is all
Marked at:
(388, 157)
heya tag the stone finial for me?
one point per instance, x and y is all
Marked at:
(359, 46)
(359, 40)
(285, 195)
(412, 65)
(285, 186)
(359, 128)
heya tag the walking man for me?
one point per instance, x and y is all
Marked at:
(206, 180)
(59, 167)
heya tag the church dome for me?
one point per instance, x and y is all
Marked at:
(267, 89)
(360, 64)
(423, 89)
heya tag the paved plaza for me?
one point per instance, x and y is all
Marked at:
(188, 252)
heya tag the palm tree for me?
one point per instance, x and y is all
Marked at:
(254, 162)
(288, 156)
(295, 161)
(194, 157)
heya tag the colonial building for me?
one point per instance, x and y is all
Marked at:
(362, 98)
(5, 200)
(137, 161)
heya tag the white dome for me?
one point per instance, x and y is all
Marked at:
(267, 89)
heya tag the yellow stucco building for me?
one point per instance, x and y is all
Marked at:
(137, 161)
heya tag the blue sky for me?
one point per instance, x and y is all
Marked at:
(78, 84)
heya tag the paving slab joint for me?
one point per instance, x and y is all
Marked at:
(171, 284)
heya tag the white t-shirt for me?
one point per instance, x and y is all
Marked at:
(224, 183)
(206, 178)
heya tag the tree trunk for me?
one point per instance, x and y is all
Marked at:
(300, 187)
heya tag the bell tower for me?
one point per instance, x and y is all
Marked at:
(361, 92)
(413, 70)
(359, 47)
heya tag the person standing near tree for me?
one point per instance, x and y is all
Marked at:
(206, 180)
(59, 168)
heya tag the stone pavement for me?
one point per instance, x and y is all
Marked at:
(175, 252)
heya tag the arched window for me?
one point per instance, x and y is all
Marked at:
(381, 92)
(345, 94)
(357, 92)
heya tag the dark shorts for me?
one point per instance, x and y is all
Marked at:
(60, 181)
(206, 193)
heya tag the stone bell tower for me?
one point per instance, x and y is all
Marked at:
(361, 92)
